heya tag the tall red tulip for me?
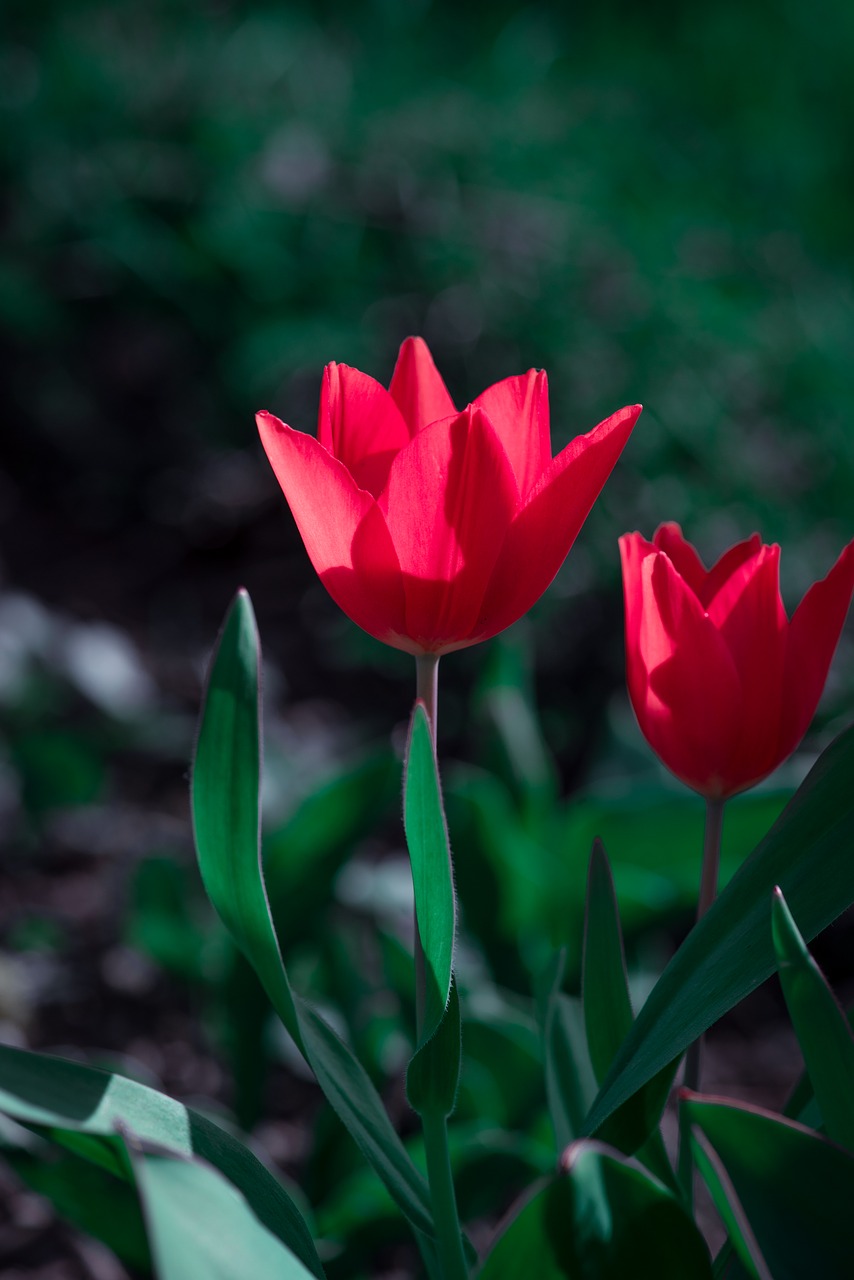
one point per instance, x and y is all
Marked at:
(723, 684)
(434, 529)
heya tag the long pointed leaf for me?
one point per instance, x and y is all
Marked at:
(820, 1025)
(608, 1013)
(608, 1016)
(225, 799)
(729, 952)
(80, 1107)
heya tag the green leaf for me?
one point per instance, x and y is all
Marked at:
(729, 952)
(795, 1188)
(570, 1082)
(432, 875)
(199, 1225)
(608, 1016)
(605, 1218)
(820, 1025)
(80, 1107)
(729, 1207)
(225, 801)
(607, 1006)
(434, 1072)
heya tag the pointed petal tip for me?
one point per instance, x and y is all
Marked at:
(264, 418)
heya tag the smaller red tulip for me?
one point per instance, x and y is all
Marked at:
(723, 684)
(434, 529)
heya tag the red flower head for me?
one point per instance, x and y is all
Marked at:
(434, 529)
(723, 685)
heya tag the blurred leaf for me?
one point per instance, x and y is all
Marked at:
(58, 768)
(91, 1199)
(80, 1107)
(794, 1187)
(605, 1218)
(729, 951)
(570, 1082)
(821, 1027)
(183, 1198)
(302, 857)
(162, 922)
(225, 799)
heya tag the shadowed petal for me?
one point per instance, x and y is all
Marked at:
(360, 424)
(449, 501)
(548, 523)
(518, 409)
(749, 615)
(682, 681)
(813, 636)
(342, 527)
(417, 387)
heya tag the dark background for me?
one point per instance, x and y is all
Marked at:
(201, 205)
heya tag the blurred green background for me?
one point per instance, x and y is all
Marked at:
(201, 205)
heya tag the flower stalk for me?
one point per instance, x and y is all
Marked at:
(694, 1056)
(434, 1121)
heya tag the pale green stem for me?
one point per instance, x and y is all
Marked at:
(694, 1056)
(435, 1125)
(443, 1197)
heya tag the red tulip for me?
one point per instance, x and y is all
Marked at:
(723, 684)
(434, 529)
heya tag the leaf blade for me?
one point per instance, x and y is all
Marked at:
(729, 951)
(820, 1025)
(226, 820)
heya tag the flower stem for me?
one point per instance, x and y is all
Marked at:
(427, 686)
(694, 1056)
(446, 1219)
(443, 1197)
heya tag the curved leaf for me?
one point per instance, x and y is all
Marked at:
(80, 1107)
(605, 1217)
(729, 952)
(226, 821)
(794, 1187)
(199, 1225)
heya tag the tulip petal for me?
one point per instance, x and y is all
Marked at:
(417, 387)
(449, 501)
(749, 615)
(682, 681)
(548, 523)
(687, 563)
(360, 424)
(343, 530)
(813, 636)
(682, 554)
(518, 409)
